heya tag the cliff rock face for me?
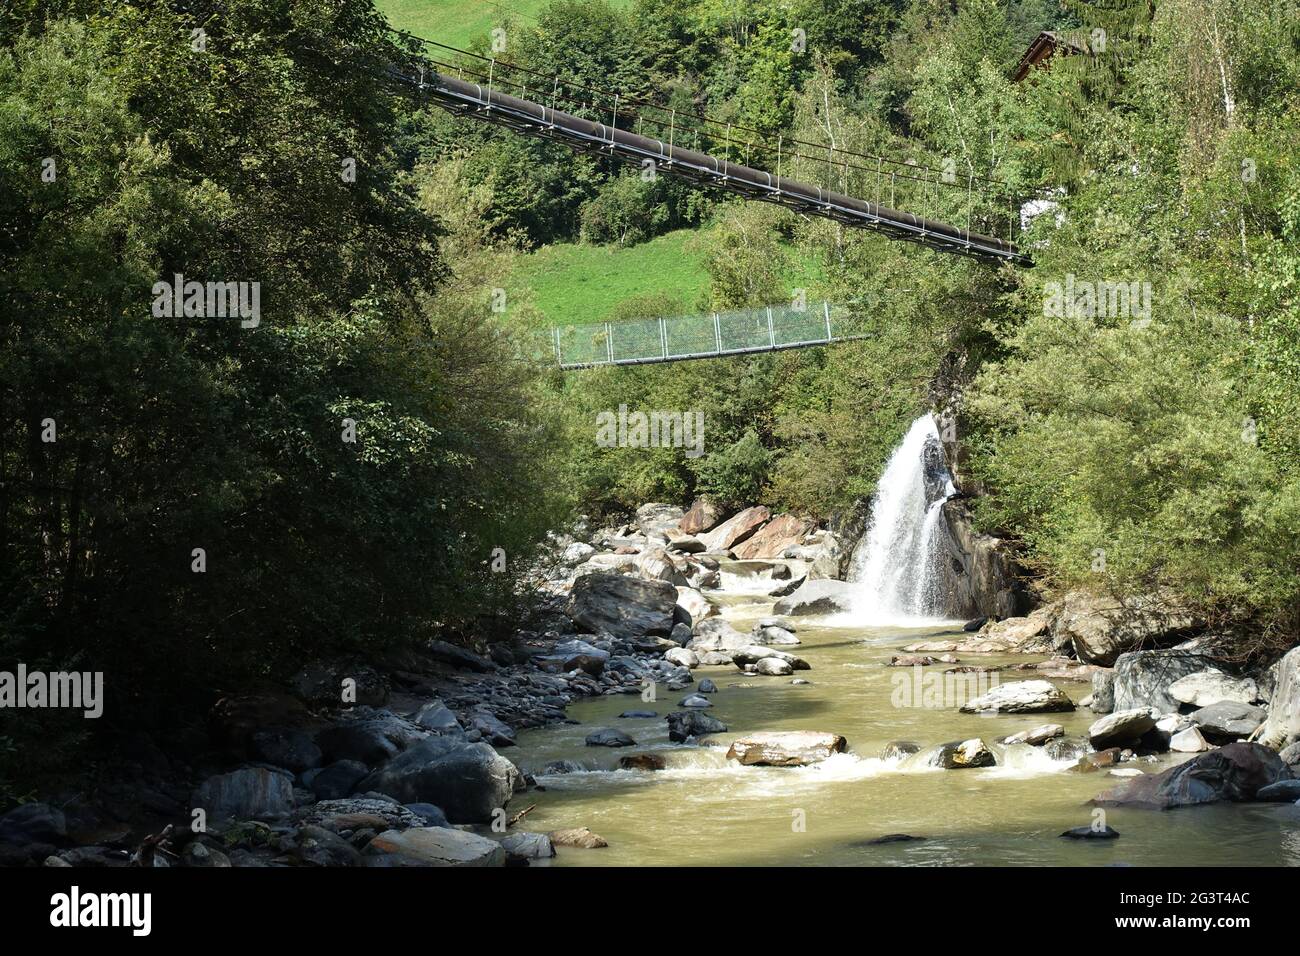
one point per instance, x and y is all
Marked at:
(977, 574)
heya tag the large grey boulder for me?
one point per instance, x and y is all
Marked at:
(469, 781)
(1227, 721)
(1283, 725)
(623, 606)
(1211, 686)
(1121, 727)
(1021, 697)
(359, 813)
(1103, 691)
(773, 539)
(657, 564)
(757, 653)
(817, 597)
(434, 846)
(735, 529)
(717, 634)
(253, 793)
(33, 823)
(785, 749)
(1236, 772)
(1143, 678)
(694, 605)
(692, 723)
(657, 518)
(963, 754)
(1102, 627)
(369, 736)
(702, 516)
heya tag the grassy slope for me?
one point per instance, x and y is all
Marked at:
(458, 22)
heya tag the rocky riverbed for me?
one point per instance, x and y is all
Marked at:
(696, 690)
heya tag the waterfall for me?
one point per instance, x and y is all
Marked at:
(894, 565)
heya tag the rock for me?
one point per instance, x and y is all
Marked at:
(1121, 727)
(656, 518)
(756, 653)
(435, 846)
(1023, 633)
(656, 564)
(682, 657)
(458, 657)
(494, 731)
(33, 823)
(789, 749)
(717, 634)
(695, 700)
(431, 815)
(963, 754)
(735, 529)
(684, 724)
(563, 766)
(974, 624)
(1020, 697)
(817, 597)
(702, 516)
(625, 607)
(1291, 757)
(468, 780)
(1189, 741)
(317, 846)
(1211, 686)
(528, 846)
(579, 837)
(198, 853)
(338, 780)
(234, 720)
(1091, 833)
(642, 762)
(1284, 791)
(899, 749)
(1234, 772)
(609, 737)
(773, 634)
(708, 687)
(823, 553)
(694, 605)
(1143, 678)
(893, 838)
(435, 716)
(681, 634)
(1225, 721)
(253, 793)
(1283, 725)
(576, 553)
(912, 660)
(359, 813)
(1065, 748)
(685, 543)
(1037, 736)
(772, 540)
(370, 736)
(645, 714)
(1103, 692)
(1101, 628)
(774, 667)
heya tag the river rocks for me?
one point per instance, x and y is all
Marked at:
(562, 766)
(1026, 633)
(1102, 700)
(495, 731)
(899, 749)
(1101, 627)
(695, 700)
(684, 543)
(253, 793)
(33, 823)
(757, 653)
(642, 762)
(1225, 721)
(469, 781)
(336, 781)
(1143, 678)
(702, 516)
(1121, 727)
(790, 749)
(1211, 686)
(774, 538)
(359, 813)
(370, 736)
(625, 607)
(1020, 697)
(528, 846)
(817, 597)
(1066, 748)
(770, 633)
(1036, 736)
(435, 846)
(1284, 791)
(717, 634)
(436, 717)
(708, 687)
(657, 518)
(1234, 772)
(578, 837)
(1291, 757)
(609, 737)
(696, 607)
(1188, 741)
(736, 529)
(576, 553)
(685, 724)
(1283, 724)
(774, 667)
(458, 657)
(963, 754)
(1104, 832)
(656, 564)
(682, 657)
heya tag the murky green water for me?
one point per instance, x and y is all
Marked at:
(706, 810)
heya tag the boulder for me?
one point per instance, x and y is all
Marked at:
(788, 749)
(1104, 832)
(708, 687)
(1036, 736)
(1188, 741)
(458, 657)
(823, 553)
(579, 837)
(757, 653)
(1225, 721)
(1235, 772)
(1121, 727)
(717, 634)
(1283, 725)
(1101, 627)
(682, 657)
(435, 846)
(576, 553)
(1103, 692)
(695, 605)
(656, 518)
(33, 823)
(468, 780)
(435, 716)
(253, 793)
(735, 529)
(1143, 678)
(684, 724)
(528, 846)
(899, 749)
(1291, 757)
(625, 607)
(1284, 791)
(701, 516)
(1021, 697)
(773, 539)
(609, 737)
(359, 813)
(963, 754)
(642, 762)
(370, 736)
(695, 700)
(338, 780)
(656, 564)
(768, 633)
(817, 597)
(1211, 686)
(1023, 632)
(492, 729)
(684, 543)
(774, 667)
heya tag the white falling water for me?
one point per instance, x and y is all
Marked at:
(894, 566)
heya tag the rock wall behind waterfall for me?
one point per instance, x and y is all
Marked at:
(979, 576)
